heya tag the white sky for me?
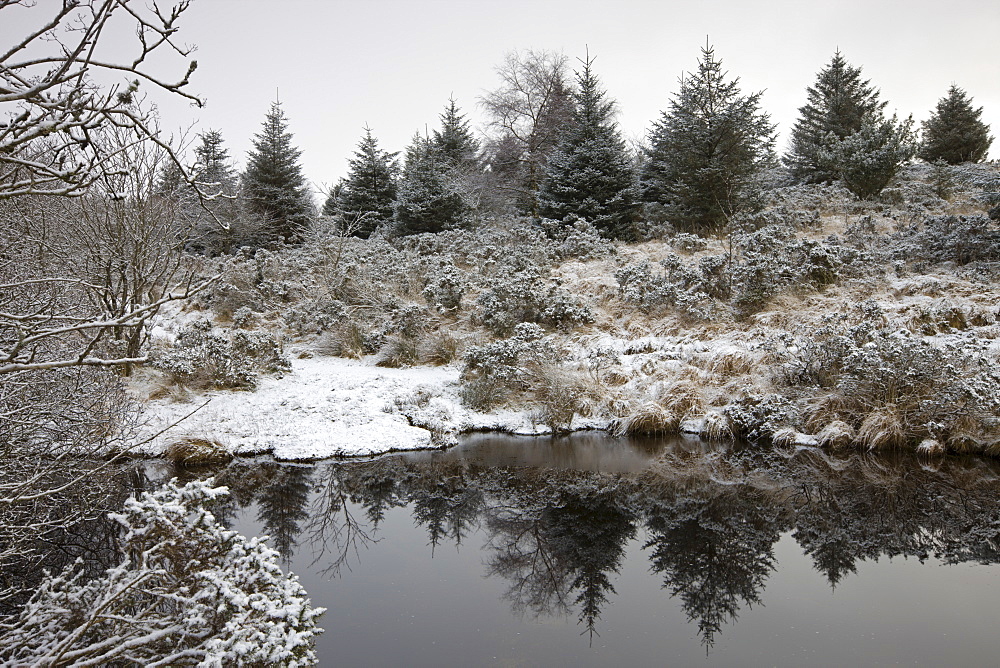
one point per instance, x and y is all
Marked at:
(392, 64)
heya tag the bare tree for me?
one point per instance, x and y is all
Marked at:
(527, 112)
(51, 107)
(87, 253)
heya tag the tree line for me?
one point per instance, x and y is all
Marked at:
(553, 150)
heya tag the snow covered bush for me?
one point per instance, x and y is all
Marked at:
(493, 370)
(188, 592)
(687, 287)
(772, 259)
(958, 239)
(577, 238)
(761, 416)
(445, 287)
(892, 387)
(524, 297)
(211, 358)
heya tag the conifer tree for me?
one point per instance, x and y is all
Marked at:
(836, 108)
(707, 150)
(212, 170)
(454, 142)
(590, 173)
(425, 201)
(867, 160)
(273, 184)
(955, 132)
(367, 196)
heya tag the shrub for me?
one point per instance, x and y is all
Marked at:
(893, 388)
(209, 358)
(958, 239)
(504, 365)
(524, 297)
(444, 288)
(187, 591)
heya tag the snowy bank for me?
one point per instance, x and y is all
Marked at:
(331, 407)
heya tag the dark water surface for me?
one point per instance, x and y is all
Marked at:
(593, 551)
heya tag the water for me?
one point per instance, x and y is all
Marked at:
(597, 551)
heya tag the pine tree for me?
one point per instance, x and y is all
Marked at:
(708, 150)
(954, 132)
(273, 183)
(213, 171)
(425, 202)
(366, 199)
(837, 106)
(867, 160)
(454, 142)
(590, 173)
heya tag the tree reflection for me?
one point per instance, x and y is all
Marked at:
(559, 545)
(445, 503)
(714, 553)
(283, 505)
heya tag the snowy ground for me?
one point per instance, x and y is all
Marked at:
(329, 407)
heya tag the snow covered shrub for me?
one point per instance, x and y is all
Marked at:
(757, 416)
(509, 364)
(561, 395)
(772, 259)
(211, 358)
(577, 238)
(686, 287)
(524, 297)
(188, 592)
(314, 316)
(959, 239)
(445, 287)
(688, 243)
(893, 388)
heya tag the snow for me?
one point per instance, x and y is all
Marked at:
(333, 407)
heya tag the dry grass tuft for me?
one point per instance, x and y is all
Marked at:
(784, 437)
(931, 447)
(439, 349)
(965, 435)
(836, 434)
(882, 429)
(396, 352)
(681, 397)
(615, 378)
(729, 363)
(717, 427)
(827, 409)
(650, 419)
(196, 452)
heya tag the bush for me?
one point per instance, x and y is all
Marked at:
(513, 363)
(523, 297)
(208, 358)
(444, 288)
(891, 387)
(958, 239)
(187, 591)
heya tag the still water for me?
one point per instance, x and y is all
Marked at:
(589, 550)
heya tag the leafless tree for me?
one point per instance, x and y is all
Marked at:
(527, 112)
(87, 253)
(51, 107)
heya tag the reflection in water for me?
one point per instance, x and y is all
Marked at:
(708, 520)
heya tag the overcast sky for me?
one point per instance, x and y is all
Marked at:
(392, 64)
